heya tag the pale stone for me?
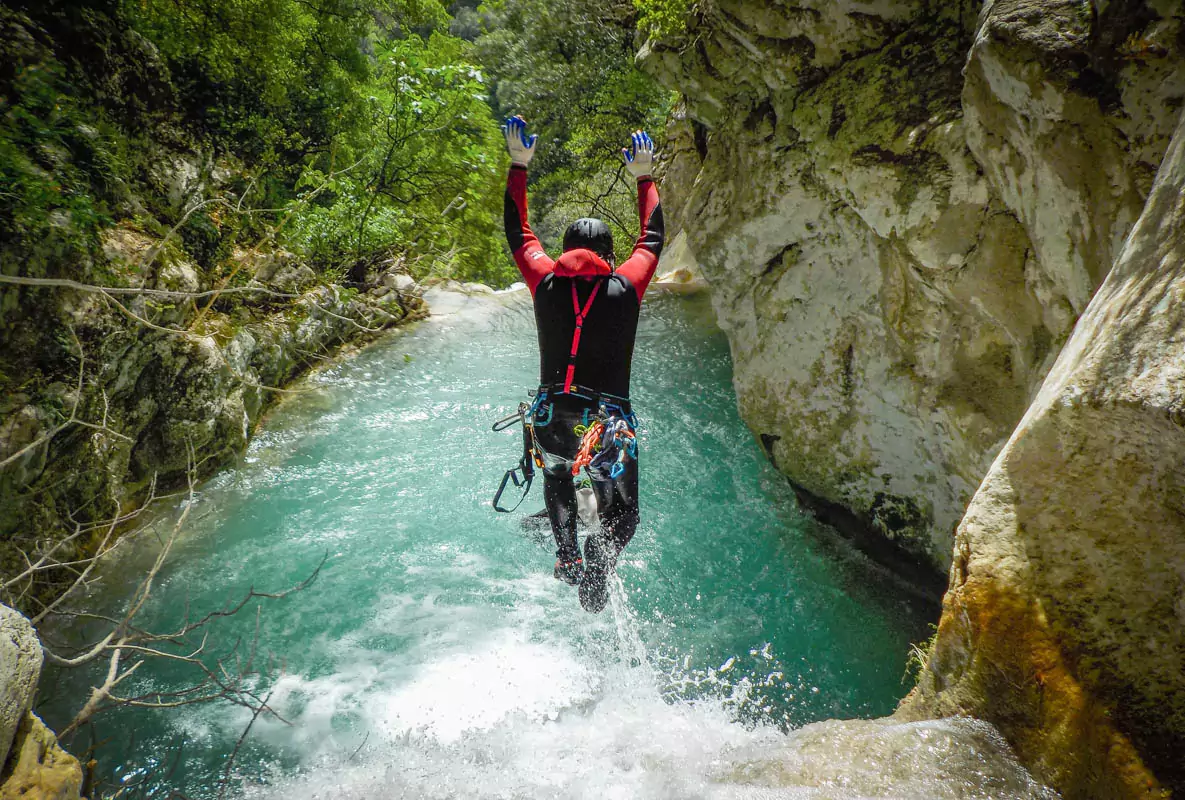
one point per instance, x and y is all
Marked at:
(405, 284)
(292, 277)
(20, 668)
(39, 769)
(901, 209)
(1063, 621)
(678, 269)
(950, 759)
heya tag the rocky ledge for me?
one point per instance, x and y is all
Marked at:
(150, 388)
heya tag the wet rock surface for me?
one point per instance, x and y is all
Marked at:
(949, 759)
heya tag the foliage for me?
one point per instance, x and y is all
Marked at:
(663, 18)
(425, 171)
(274, 79)
(51, 153)
(363, 124)
(568, 68)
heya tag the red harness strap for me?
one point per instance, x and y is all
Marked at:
(580, 315)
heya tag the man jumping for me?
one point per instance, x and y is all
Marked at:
(586, 312)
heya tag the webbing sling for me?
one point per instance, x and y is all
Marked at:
(580, 315)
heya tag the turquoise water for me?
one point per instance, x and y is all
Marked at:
(435, 656)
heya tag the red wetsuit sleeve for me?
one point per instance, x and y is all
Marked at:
(640, 266)
(528, 254)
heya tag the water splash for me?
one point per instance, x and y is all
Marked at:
(436, 657)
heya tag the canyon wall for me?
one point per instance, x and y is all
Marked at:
(941, 248)
(1065, 619)
(902, 208)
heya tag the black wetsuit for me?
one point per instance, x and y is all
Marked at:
(582, 367)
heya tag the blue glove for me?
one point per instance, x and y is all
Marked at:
(521, 149)
(639, 159)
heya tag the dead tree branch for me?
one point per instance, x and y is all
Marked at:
(127, 645)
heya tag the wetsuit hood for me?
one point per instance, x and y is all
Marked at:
(581, 263)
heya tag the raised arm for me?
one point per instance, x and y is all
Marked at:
(642, 263)
(533, 263)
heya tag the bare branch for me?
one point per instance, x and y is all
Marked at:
(230, 761)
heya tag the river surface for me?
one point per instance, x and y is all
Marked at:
(436, 657)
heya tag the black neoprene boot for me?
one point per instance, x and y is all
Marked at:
(594, 587)
(569, 570)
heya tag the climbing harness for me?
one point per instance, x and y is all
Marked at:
(581, 313)
(607, 443)
(608, 440)
(522, 475)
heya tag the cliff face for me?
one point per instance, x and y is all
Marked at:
(902, 208)
(145, 395)
(1065, 620)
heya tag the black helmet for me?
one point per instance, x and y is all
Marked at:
(591, 234)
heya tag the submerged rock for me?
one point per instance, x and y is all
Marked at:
(1064, 622)
(949, 759)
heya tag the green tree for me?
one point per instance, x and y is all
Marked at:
(422, 178)
(568, 68)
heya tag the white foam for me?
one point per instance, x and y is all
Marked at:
(508, 715)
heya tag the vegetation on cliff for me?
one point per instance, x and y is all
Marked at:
(204, 164)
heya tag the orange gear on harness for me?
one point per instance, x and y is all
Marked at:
(590, 443)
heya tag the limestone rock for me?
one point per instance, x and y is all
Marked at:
(279, 269)
(399, 282)
(901, 209)
(20, 668)
(39, 769)
(178, 276)
(949, 759)
(678, 269)
(1064, 622)
(179, 177)
(293, 277)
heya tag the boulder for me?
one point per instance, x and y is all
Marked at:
(399, 282)
(20, 668)
(293, 277)
(39, 768)
(1064, 622)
